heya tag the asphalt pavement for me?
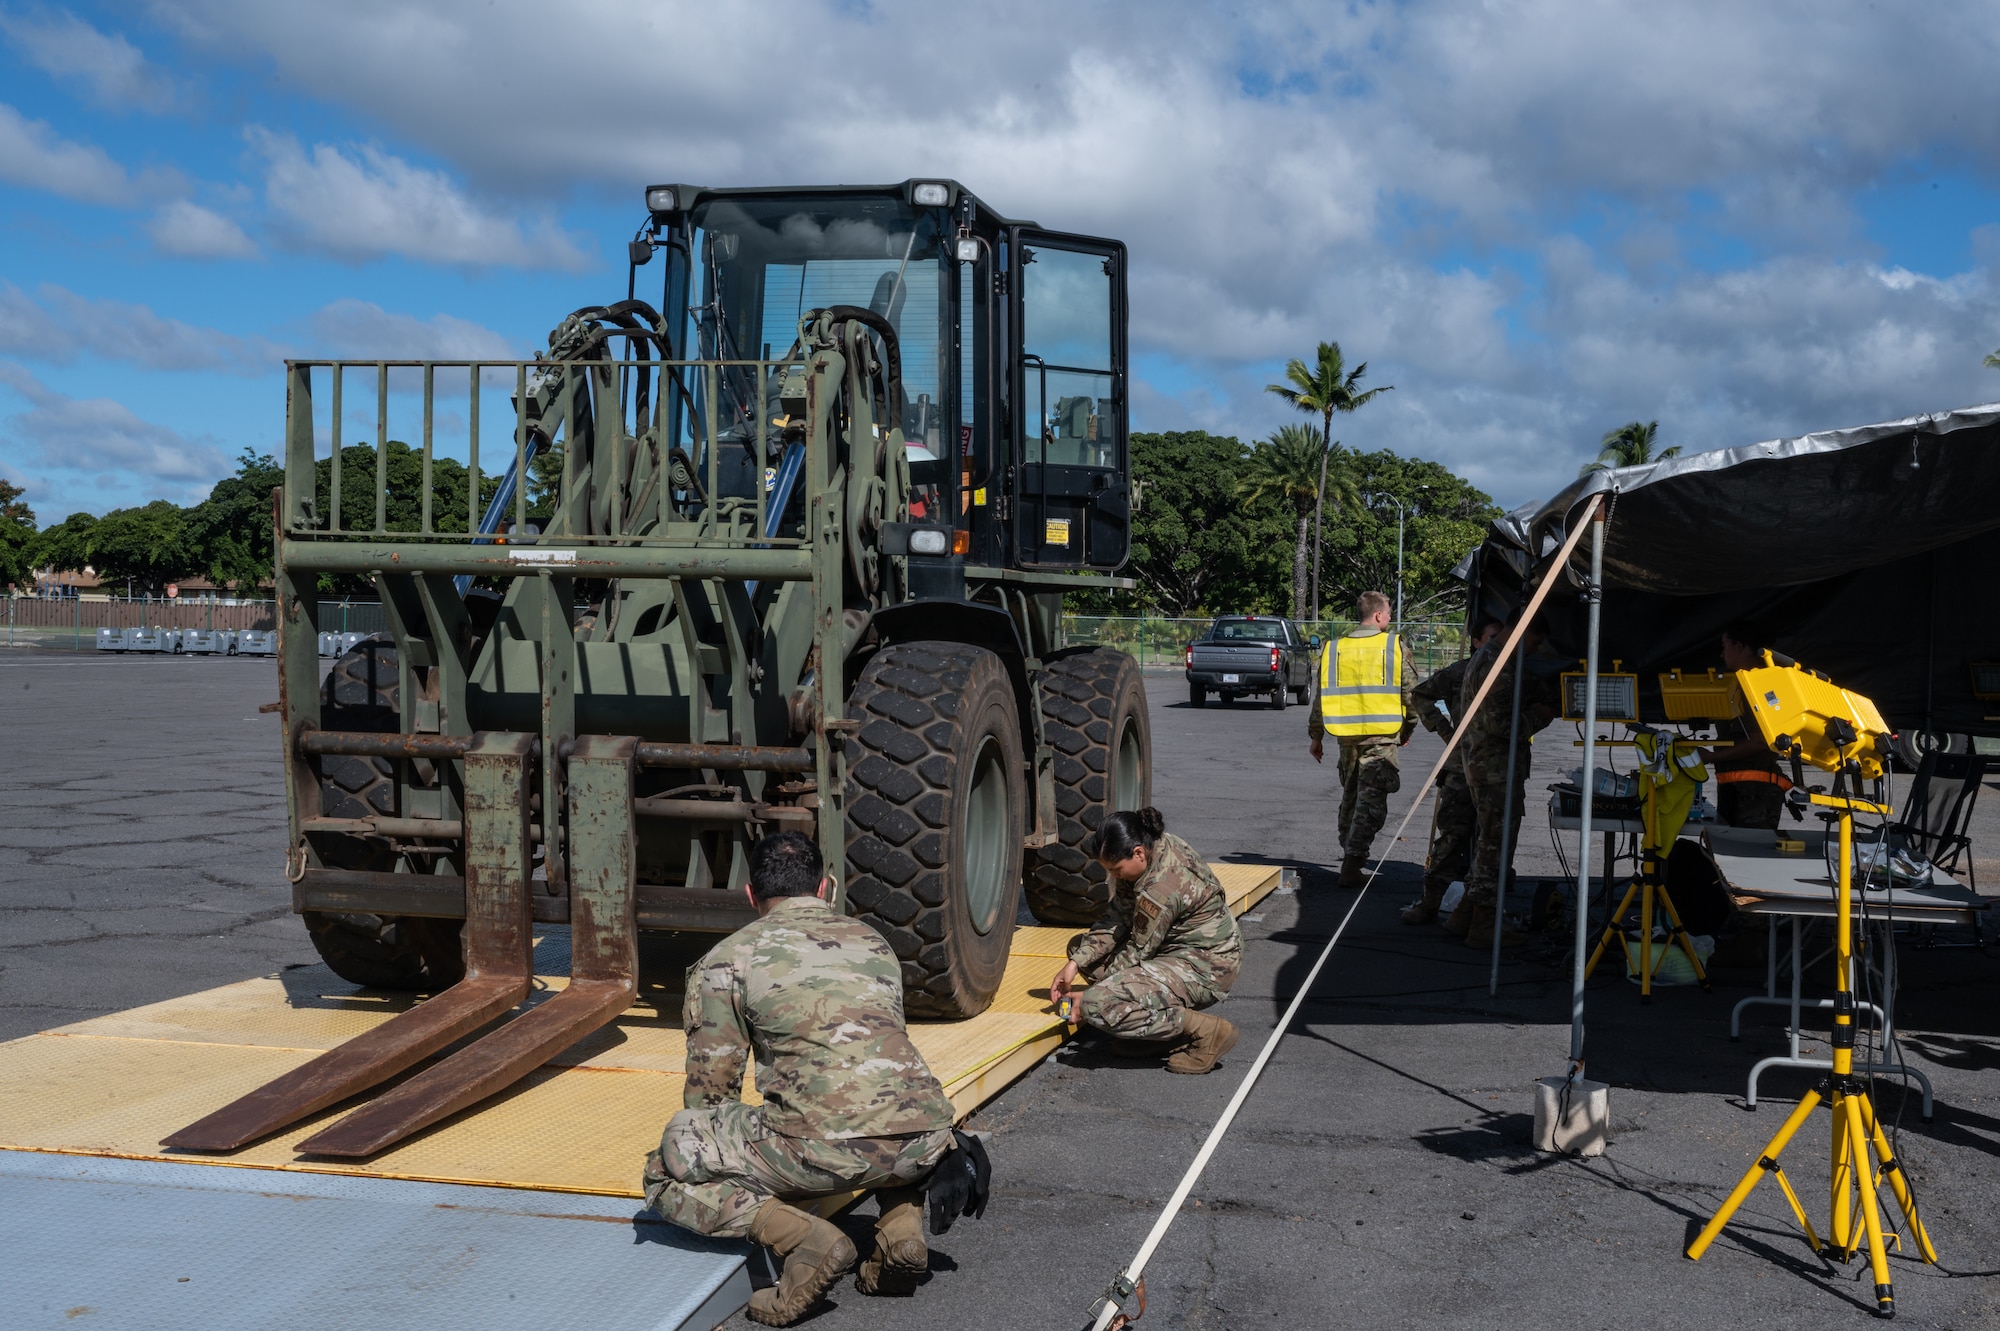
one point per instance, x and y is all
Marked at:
(1380, 1174)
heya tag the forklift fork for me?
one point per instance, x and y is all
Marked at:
(499, 974)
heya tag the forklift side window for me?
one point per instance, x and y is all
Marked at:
(1066, 313)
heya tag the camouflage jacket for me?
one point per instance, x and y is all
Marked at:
(819, 998)
(1442, 687)
(1484, 747)
(1177, 908)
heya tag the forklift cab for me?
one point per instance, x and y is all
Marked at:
(1010, 339)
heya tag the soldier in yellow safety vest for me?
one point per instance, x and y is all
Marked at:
(1364, 702)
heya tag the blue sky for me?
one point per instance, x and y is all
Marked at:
(1536, 220)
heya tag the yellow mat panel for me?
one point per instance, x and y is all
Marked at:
(115, 1085)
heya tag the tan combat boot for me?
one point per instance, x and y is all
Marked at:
(1460, 918)
(1145, 1049)
(1354, 872)
(816, 1254)
(1480, 932)
(1208, 1039)
(1425, 911)
(900, 1257)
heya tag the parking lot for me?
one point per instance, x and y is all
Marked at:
(1380, 1174)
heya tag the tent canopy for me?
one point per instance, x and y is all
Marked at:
(1872, 554)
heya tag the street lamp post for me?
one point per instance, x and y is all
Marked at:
(1371, 498)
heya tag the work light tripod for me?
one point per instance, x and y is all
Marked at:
(1649, 887)
(1862, 1158)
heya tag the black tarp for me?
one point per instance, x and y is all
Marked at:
(1871, 554)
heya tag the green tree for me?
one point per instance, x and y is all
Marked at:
(1630, 445)
(144, 547)
(403, 504)
(228, 534)
(1992, 361)
(1321, 389)
(17, 536)
(1285, 470)
(1195, 546)
(1445, 516)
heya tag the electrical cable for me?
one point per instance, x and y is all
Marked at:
(1110, 1308)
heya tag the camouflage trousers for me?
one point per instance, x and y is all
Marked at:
(1456, 821)
(1482, 880)
(1368, 777)
(1151, 1000)
(716, 1166)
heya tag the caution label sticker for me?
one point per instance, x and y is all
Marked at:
(1056, 532)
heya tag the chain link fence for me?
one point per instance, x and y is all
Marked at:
(1161, 644)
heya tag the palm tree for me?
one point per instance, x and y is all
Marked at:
(1992, 361)
(1630, 445)
(1289, 468)
(1321, 389)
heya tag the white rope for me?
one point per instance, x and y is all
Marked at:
(1110, 1311)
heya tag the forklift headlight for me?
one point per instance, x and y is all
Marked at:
(930, 195)
(968, 249)
(929, 541)
(660, 199)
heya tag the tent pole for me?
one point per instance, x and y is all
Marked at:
(1596, 595)
(1507, 817)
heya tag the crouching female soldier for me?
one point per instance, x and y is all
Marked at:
(1166, 947)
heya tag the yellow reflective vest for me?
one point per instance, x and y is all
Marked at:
(1361, 686)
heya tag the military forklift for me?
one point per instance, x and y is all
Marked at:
(804, 537)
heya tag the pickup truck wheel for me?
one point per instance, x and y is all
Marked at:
(1095, 718)
(378, 951)
(1197, 696)
(1303, 695)
(937, 803)
(1278, 699)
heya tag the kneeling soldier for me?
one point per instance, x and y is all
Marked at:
(1166, 948)
(848, 1101)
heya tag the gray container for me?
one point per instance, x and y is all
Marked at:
(204, 642)
(348, 642)
(256, 642)
(329, 644)
(110, 640)
(147, 640)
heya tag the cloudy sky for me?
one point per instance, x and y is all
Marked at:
(1537, 219)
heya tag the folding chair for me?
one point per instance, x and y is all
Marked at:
(1939, 808)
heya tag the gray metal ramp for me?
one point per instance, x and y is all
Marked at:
(103, 1242)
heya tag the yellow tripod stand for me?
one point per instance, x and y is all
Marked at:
(1861, 1155)
(1650, 886)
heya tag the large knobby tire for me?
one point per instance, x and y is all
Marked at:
(380, 951)
(936, 808)
(1094, 716)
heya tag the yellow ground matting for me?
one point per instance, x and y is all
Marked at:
(115, 1085)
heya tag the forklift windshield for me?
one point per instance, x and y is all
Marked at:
(762, 264)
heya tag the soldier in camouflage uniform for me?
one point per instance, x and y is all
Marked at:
(1368, 768)
(1453, 820)
(1165, 948)
(848, 1101)
(1487, 778)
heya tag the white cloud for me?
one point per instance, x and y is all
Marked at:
(97, 443)
(34, 155)
(368, 203)
(1387, 175)
(63, 45)
(58, 325)
(361, 328)
(189, 231)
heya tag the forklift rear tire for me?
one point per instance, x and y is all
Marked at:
(1094, 716)
(376, 951)
(937, 805)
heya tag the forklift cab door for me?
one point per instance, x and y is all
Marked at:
(1072, 501)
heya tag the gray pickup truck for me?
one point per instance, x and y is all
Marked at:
(1243, 654)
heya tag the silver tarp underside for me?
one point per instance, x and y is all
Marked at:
(1869, 553)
